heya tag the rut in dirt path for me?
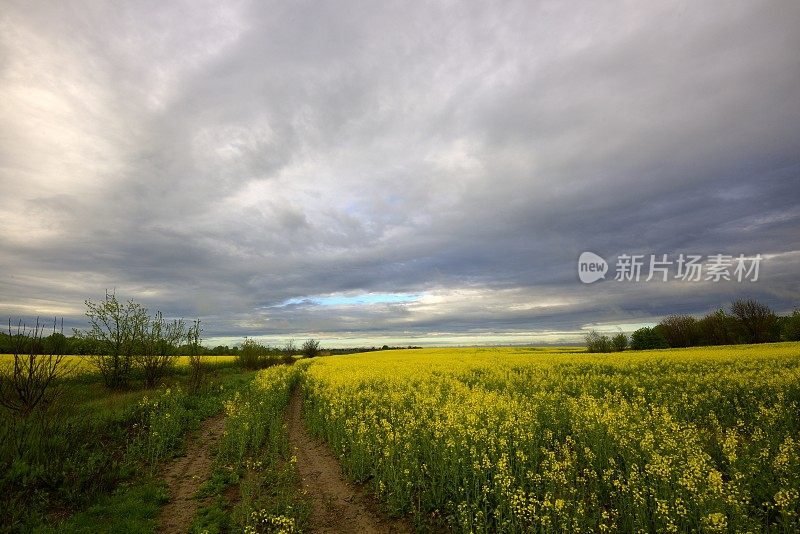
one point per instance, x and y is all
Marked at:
(336, 505)
(185, 475)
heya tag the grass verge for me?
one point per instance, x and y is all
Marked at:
(255, 487)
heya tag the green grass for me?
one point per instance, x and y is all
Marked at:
(91, 462)
(131, 508)
(254, 461)
(87, 454)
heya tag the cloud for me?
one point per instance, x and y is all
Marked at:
(219, 161)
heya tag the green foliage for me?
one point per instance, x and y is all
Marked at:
(619, 342)
(132, 508)
(91, 442)
(115, 328)
(250, 354)
(254, 452)
(157, 352)
(717, 328)
(679, 330)
(790, 330)
(648, 338)
(596, 342)
(756, 322)
(254, 416)
(212, 518)
(311, 348)
(253, 355)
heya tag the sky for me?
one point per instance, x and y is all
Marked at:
(419, 173)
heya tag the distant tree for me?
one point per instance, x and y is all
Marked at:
(619, 342)
(310, 348)
(679, 330)
(756, 321)
(596, 342)
(221, 350)
(56, 343)
(790, 327)
(115, 329)
(717, 328)
(648, 338)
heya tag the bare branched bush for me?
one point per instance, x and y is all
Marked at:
(115, 328)
(157, 353)
(32, 380)
(195, 358)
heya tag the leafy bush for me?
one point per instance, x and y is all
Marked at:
(115, 328)
(756, 321)
(648, 338)
(596, 342)
(158, 352)
(311, 348)
(790, 330)
(717, 328)
(249, 354)
(679, 330)
(619, 342)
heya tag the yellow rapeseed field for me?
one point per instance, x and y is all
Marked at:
(522, 440)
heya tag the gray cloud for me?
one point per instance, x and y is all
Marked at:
(220, 161)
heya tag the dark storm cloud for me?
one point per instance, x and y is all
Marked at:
(223, 161)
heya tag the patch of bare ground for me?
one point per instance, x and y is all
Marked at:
(185, 475)
(337, 506)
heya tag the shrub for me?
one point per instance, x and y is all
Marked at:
(619, 342)
(596, 342)
(311, 348)
(648, 338)
(31, 380)
(757, 322)
(717, 328)
(195, 357)
(158, 347)
(791, 327)
(679, 330)
(115, 329)
(249, 354)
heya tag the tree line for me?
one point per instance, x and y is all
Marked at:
(746, 321)
(123, 338)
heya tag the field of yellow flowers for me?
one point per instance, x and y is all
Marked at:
(529, 440)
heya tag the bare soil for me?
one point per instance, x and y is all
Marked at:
(185, 475)
(337, 506)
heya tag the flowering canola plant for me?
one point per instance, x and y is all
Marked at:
(530, 440)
